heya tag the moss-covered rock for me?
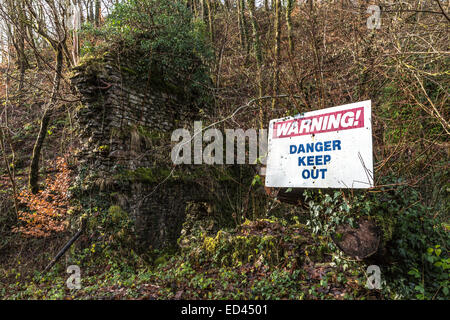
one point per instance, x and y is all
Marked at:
(258, 242)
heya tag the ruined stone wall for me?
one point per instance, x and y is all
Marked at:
(124, 129)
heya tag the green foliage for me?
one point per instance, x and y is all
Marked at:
(146, 175)
(413, 233)
(419, 242)
(159, 42)
(261, 242)
(327, 211)
(114, 224)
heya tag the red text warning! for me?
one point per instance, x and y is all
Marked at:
(327, 122)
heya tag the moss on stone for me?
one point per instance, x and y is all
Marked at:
(145, 175)
(117, 214)
(271, 247)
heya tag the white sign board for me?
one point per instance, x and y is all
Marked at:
(329, 148)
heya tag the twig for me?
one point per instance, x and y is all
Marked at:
(442, 9)
(66, 247)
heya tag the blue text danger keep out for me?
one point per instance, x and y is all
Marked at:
(314, 160)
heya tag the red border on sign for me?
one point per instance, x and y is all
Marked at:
(299, 121)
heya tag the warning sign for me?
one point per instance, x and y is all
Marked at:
(329, 148)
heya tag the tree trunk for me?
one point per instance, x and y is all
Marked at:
(210, 21)
(91, 11)
(317, 56)
(243, 25)
(289, 8)
(258, 55)
(203, 11)
(17, 33)
(98, 12)
(80, 9)
(276, 71)
(34, 167)
(10, 169)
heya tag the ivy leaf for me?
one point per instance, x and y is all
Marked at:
(256, 180)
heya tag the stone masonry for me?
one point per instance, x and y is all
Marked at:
(124, 128)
